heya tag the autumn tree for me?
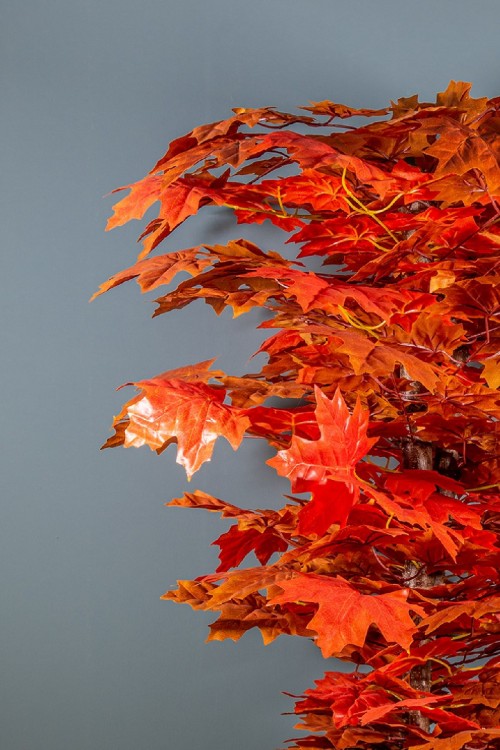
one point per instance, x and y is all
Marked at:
(386, 553)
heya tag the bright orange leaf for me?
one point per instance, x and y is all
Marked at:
(344, 615)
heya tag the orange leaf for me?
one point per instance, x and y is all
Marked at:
(160, 270)
(142, 195)
(344, 615)
(452, 612)
(189, 413)
(375, 714)
(342, 443)
(460, 740)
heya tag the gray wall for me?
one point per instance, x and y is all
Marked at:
(91, 93)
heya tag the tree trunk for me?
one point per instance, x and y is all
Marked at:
(418, 455)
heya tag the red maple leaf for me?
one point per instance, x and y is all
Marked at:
(327, 464)
(343, 442)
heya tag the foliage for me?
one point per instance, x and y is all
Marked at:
(387, 554)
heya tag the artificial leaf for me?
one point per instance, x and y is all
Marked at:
(343, 442)
(192, 414)
(236, 544)
(461, 740)
(344, 615)
(331, 502)
(153, 272)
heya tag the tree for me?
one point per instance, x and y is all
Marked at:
(387, 554)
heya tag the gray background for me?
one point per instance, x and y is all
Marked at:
(91, 93)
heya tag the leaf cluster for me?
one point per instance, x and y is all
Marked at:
(387, 551)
